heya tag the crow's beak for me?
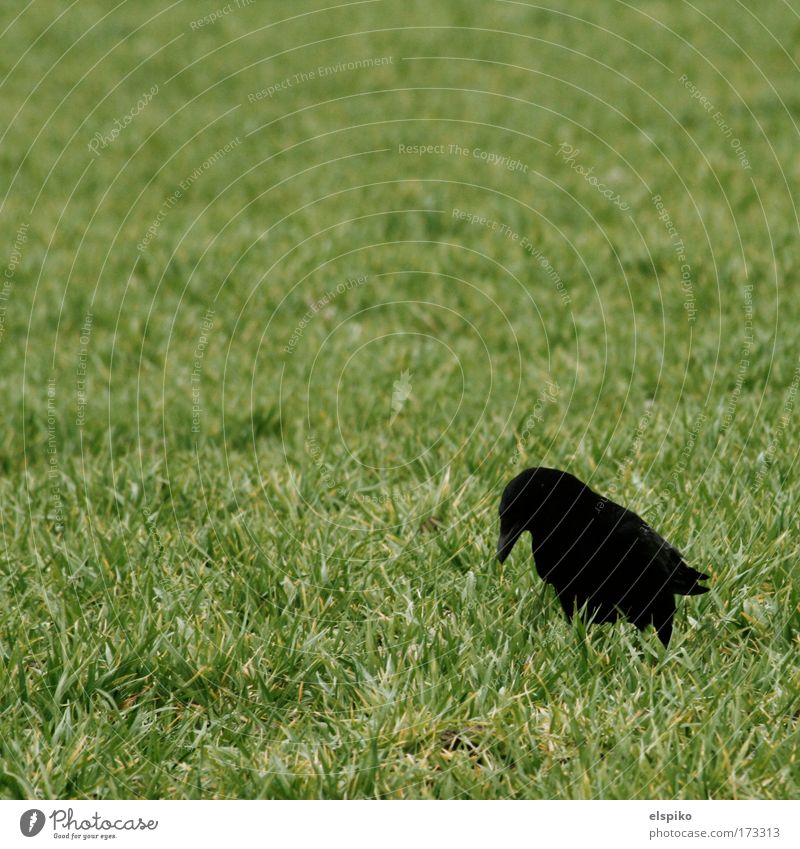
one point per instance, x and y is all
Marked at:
(506, 542)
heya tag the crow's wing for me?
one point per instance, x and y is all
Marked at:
(656, 558)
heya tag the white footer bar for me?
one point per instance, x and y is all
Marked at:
(400, 825)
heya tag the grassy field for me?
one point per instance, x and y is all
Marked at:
(289, 292)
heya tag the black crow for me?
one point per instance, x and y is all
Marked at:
(602, 559)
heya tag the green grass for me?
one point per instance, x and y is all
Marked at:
(227, 569)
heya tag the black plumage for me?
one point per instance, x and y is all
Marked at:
(603, 560)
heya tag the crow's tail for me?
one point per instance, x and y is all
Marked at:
(685, 581)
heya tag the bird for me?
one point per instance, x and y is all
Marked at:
(604, 561)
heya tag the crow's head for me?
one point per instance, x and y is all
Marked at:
(535, 496)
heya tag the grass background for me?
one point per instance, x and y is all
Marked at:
(225, 570)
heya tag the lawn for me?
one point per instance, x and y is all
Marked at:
(290, 291)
